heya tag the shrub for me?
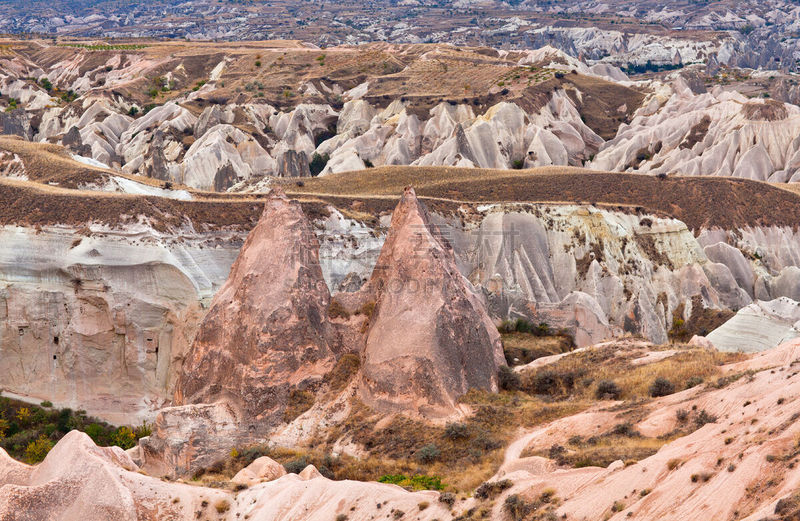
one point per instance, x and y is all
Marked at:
(299, 402)
(423, 505)
(492, 489)
(123, 438)
(448, 498)
(625, 429)
(296, 466)
(682, 415)
(608, 390)
(704, 417)
(46, 403)
(427, 454)
(317, 164)
(546, 382)
(222, 506)
(693, 382)
(508, 379)
(337, 310)
(674, 463)
(516, 507)
(94, 431)
(24, 415)
(661, 387)
(133, 111)
(416, 482)
(38, 449)
(456, 431)
(143, 430)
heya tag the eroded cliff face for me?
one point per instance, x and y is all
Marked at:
(100, 321)
(119, 307)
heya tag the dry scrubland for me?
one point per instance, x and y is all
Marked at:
(277, 72)
(621, 377)
(700, 202)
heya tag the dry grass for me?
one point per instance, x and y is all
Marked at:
(577, 375)
(700, 202)
(467, 453)
(523, 348)
(601, 451)
(299, 402)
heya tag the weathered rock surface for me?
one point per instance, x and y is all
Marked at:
(79, 480)
(430, 339)
(719, 133)
(267, 329)
(688, 477)
(98, 320)
(759, 326)
(262, 469)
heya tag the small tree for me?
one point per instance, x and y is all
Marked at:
(123, 438)
(38, 449)
(318, 163)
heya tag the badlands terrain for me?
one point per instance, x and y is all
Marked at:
(265, 280)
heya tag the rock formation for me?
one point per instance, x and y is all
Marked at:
(759, 326)
(430, 339)
(267, 329)
(79, 480)
(718, 133)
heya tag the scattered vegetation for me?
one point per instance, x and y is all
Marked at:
(28, 432)
(524, 342)
(299, 402)
(105, 47)
(591, 373)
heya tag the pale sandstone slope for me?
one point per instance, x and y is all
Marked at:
(734, 467)
(80, 481)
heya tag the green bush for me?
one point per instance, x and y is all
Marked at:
(416, 482)
(456, 431)
(296, 466)
(124, 438)
(37, 450)
(317, 164)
